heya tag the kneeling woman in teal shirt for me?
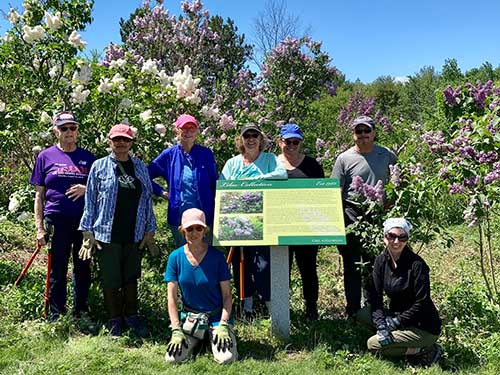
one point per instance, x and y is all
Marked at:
(201, 273)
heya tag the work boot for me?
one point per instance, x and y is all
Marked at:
(135, 324)
(115, 327)
(427, 356)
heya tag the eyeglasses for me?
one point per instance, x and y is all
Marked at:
(121, 139)
(250, 135)
(289, 142)
(361, 131)
(392, 237)
(198, 228)
(66, 128)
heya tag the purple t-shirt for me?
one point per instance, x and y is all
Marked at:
(57, 170)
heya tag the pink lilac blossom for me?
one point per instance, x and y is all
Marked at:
(395, 173)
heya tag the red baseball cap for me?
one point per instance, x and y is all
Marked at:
(121, 130)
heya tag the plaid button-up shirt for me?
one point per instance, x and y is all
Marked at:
(100, 200)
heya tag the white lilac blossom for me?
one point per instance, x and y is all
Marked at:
(45, 135)
(118, 63)
(76, 41)
(160, 129)
(146, 115)
(104, 86)
(164, 78)
(53, 22)
(13, 203)
(125, 103)
(45, 118)
(134, 131)
(26, 107)
(53, 71)
(36, 149)
(186, 85)
(210, 112)
(13, 16)
(33, 34)
(84, 74)
(79, 95)
(2, 106)
(149, 66)
(117, 80)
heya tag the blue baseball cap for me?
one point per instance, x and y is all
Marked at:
(290, 131)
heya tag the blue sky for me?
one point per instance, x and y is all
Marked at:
(365, 39)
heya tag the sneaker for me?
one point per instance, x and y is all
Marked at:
(135, 324)
(427, 356)
(115, 327)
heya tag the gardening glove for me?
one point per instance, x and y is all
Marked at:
(221, 337)
(392, 323)
(176, 342)
(149, 242)
(385, 336)
(87, 246)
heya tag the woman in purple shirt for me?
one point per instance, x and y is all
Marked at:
(60, 175)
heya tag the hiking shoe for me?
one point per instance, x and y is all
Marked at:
(135, 324)
(115, 327)
(427, 356)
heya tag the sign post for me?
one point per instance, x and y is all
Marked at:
(279, 213)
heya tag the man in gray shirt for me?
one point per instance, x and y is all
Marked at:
(370, 162)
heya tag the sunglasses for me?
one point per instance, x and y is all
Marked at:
(361, 131)
(198, 228)
(121, 139)
(289, 142)
(392, 237)
(66, 128)
(251, 135)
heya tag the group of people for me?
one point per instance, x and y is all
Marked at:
(103, 208)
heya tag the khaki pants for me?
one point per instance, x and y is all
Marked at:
(406, 341)
(226, 356)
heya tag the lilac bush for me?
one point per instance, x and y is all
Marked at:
(240, 228)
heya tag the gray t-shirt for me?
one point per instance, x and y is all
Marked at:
(371, 167)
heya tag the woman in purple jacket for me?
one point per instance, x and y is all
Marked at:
(191, 174)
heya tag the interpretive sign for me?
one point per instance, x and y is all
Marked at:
(278, 212)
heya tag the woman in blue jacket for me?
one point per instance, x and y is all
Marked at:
(191, 174)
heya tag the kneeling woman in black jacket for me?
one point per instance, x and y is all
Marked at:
(411, 325)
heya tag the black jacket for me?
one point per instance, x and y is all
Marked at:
(408, 289)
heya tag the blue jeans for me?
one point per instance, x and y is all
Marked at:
(66, 242)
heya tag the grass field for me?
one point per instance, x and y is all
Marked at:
(29, 345)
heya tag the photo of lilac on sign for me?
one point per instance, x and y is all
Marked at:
(248, 202)
(241, 228)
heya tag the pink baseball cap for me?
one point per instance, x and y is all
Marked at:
(121, 130)
(185, 119)
(193, 216)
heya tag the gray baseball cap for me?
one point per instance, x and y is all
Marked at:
(362, 120)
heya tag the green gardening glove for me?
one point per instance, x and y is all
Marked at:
(176, 342)
(221, 337)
